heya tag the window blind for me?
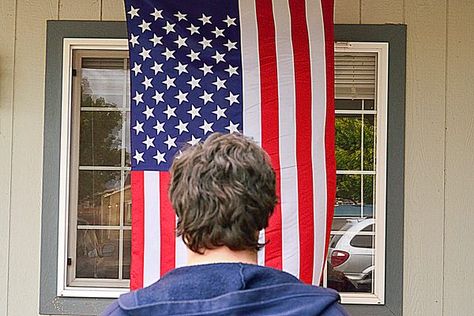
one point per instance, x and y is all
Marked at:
(355, 75)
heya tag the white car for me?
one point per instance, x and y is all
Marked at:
(353, 251)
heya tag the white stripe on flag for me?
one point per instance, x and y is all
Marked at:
(314, 18)
(181, 255)
(151, 259)
(251, 82)
(287, 123)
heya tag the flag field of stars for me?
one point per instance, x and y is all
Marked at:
(186, 77)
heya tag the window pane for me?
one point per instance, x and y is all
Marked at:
(101, 138)
(369, 142)
(127, 239)
(348, 194)
(97, 254)
(351, 258)
(348, 104)
(369, 187)
(369, 104)
(103, 82)
(127, 146)
(127, 208)
(99, 198)
(348, 142)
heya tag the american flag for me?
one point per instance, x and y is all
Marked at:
(260, 67)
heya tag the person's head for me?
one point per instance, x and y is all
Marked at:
(223, 192)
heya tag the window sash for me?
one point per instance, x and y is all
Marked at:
(121, 44)
(358, 89)
(67, 174)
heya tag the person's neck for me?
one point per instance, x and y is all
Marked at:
(221, 255)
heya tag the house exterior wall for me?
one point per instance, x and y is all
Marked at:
(438, 159)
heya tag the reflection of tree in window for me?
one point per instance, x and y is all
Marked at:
(100, 145)
(349, 153)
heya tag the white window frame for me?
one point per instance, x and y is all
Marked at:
(381, 49)
(69, 45)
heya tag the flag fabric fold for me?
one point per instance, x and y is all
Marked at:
(262, 68)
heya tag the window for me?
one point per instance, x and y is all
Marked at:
(356, 257)
(96, 172)
(62, 292)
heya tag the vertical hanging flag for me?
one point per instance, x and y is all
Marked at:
(260, 67)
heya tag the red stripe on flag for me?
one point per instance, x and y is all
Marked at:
(327, 7)
(168, 224)
(270, 119)
(136, 269)
(301, 55)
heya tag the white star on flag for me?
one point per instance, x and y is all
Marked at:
(231, 45)
(229, 21)
(149, 142)
(157, 14)
(181, 97)
(206, 127)
(182, 127)
(134, 40)
(170, 111)
(232, 71)
(194, 83)
(205, 19)
(194, 112)
(168, 53)
(193, 55)
(219, 83)
(218, 32)
(133, 12)
(169, 82)
(206, 97)
(138, 97)
(156, 40)
(232, 98)
(194, 140)
(157, 67)
(181, 41)
(205, 43)
(145, 53)
(219, 112)
(148, 112)
(145, 26)
(218, 57)
(159, 157)
(169, 27)
(181, 68)
(138, 128)
(158, 97)
(180, 16)
(137, 69)
(170, 142)
(159, 127)
(193, 29)
(147, 83)
(232, 128)
(138, 157)
(206, 69)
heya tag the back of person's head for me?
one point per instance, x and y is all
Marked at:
(223, 192)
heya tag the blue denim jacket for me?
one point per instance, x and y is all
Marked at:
(228, 289)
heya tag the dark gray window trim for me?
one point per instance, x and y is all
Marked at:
(56, 32)
(395, 35)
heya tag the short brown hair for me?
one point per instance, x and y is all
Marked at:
(223, 192)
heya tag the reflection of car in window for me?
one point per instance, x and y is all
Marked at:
(352, 252)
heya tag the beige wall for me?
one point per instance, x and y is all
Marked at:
(439, 154)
